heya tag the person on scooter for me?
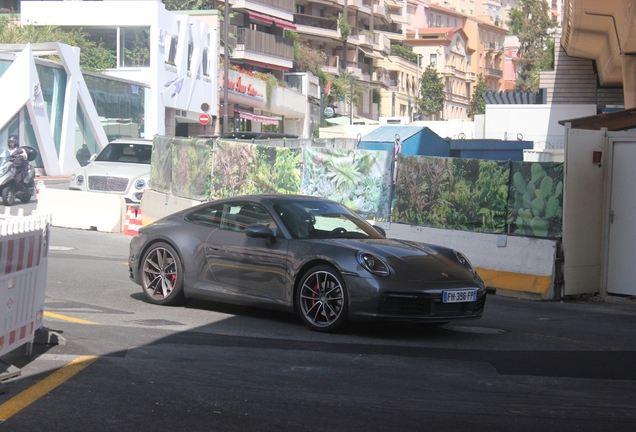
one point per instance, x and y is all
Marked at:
(20, 157)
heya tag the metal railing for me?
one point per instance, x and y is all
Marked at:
(264, 43)
(493, 72)
(314, 21)
(284, 5)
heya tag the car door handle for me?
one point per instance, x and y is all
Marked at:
(611, 216)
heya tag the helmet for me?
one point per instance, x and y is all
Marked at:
(13, 139)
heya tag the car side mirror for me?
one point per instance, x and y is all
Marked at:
(260, 231)
(380, 230)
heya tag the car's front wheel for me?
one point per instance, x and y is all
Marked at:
(162, 275)
(321, 299)
(8, 195)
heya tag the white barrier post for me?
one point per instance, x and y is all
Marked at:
(24, 244)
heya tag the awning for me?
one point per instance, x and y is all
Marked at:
(255, 16)
(284, 24)
(369, 52)
(266, 19)
(247, 115)
(266, 65)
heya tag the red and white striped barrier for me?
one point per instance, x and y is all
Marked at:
(23, 266)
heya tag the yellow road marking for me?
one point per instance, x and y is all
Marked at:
(30, 395)
(68, 318)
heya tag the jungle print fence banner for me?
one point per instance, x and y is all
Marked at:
(359, 179)
(242, 169)
(161, 164)
(452, 193)
(519, 198)
(182, 166)
(536, 199)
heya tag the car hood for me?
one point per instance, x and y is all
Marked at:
(130, 170)
(421, 261)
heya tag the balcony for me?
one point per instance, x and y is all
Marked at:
(332, 65)
(381, 78)
(451, 97)
(498, 73)
(382, 43)
(359, 70)
(457, 73)
(381, 11)
(263, 47)
(284, 6)
(316, 26)
(361, 36)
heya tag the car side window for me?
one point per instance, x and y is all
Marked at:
(239, 216)
(209, 216)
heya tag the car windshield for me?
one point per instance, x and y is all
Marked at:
(313, 219)
(126, 153)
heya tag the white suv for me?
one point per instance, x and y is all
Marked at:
(122, 167)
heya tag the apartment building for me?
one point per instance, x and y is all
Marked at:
(347, 32)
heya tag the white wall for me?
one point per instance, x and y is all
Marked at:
(538, 123)
(583, 194)
(450, 128)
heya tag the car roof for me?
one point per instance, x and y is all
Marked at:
(131, 141)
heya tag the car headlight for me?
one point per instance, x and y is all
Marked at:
(461, 258)
(373, 264)
(79, 180)
(140, 184)
(3, 170)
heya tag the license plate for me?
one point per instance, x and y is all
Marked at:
(459, 296)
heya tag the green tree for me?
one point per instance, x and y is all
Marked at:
(94, 55)
(477, 102)
(431, 91)
(514, 23)
(533, 42)
(341, 87)
(306, 59)
(175, 5)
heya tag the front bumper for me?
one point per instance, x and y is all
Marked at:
(386, 300)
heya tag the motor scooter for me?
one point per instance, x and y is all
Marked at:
(10, 188)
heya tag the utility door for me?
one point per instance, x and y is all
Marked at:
(622, 220)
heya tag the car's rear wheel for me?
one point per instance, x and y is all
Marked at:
(162, 275)
(321, 299)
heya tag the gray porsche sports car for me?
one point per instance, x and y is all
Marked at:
(304, 254)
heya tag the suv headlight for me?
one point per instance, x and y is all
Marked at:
(79, 180)
(140, 184)
(373, 264)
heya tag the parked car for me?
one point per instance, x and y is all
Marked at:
(257, 135)
(122, 167)
(304, 254)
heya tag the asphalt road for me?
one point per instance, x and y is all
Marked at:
(123, 364)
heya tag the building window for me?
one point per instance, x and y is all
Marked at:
(134, 46)
(433, 60)
(190, 51)
(205, 63)
(172, 50)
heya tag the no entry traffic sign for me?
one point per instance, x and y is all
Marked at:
(204, 119)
